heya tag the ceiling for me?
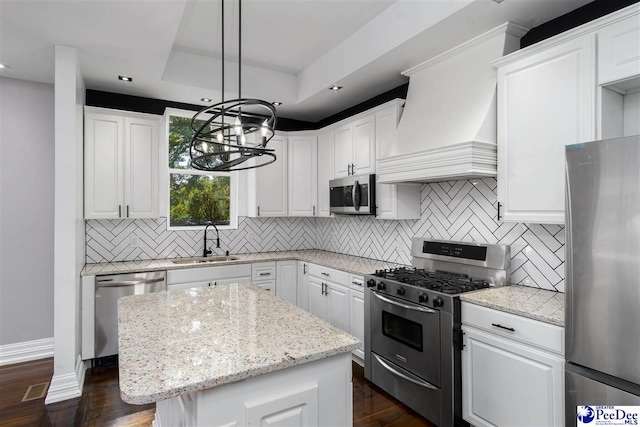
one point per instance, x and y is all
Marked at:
(292, 50)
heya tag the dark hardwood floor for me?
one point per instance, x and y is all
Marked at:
(100, 404)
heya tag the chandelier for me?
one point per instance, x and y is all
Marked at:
(229, 133)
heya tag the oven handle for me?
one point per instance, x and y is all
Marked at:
(408, 307)
(421, 383)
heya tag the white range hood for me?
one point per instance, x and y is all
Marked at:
(448, 127)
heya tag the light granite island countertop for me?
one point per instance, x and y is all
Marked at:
(348, 263)
(533, 303)
(221, 351)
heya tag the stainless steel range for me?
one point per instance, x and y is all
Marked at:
(412, 323)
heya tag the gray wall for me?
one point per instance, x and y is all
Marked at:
(26, 210)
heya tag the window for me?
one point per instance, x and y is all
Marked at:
(196, 198)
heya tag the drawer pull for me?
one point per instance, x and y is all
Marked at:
(324, 274)
(497, 325)
(265, 274)
(356, 283)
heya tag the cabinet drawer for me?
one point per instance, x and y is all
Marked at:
(356, 282)
(267, 285)
(208, 273)
(327, 273)
(263, 271)
(533, 332)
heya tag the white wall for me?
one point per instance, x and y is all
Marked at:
(68, 371)
(26, 210)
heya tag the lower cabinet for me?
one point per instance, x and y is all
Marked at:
(286, 279)
(329, 301)
(208, 276)
(268, 285)
(356, 311)
(511, 380)
(302, 295)
(263, 274)
(317, 393)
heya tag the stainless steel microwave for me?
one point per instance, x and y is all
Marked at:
(354, 195)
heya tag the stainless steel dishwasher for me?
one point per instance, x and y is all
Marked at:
(108, 290)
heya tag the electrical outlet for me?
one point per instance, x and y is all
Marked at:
(133, 242)
(250, 237)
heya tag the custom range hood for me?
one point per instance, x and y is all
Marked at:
(448, 126)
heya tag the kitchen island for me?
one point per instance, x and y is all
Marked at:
(232, 355)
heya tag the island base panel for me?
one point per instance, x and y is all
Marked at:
(318, 393)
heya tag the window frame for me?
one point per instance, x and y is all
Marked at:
(233, 179)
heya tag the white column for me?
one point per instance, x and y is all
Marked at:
(68, 374)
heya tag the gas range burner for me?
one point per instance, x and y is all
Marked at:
(441, 281)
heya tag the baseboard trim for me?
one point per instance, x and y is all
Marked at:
(26, 351)
(67, 386)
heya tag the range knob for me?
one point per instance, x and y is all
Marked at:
(381, 286)
(423, 297)
(401, 291)
(438, 302)
(371, 283)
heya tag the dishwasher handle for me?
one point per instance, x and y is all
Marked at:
(110, 283)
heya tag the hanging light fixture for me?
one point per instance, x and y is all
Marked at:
(220, 143)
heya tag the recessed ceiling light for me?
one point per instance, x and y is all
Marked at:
(2, 66)
(276, 103)
(125, 78)
(205, 99)
(335, 88)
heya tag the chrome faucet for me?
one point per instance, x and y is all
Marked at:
(206, 251)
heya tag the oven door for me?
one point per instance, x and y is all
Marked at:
(406, 334)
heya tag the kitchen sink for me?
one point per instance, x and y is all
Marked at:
(202, 260)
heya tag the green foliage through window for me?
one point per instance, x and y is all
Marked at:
(194, 199)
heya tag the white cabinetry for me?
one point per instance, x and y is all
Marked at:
(317, 393)
(619, 51)
(329, 295)
(303, 170)
(356, 312)
(286, 280)
(121, 164)
(302, 294)
(398, 201)
(208, 276)
(271, 182)
(511, 377)
(325, 170)
(263, 274)
(354, 147)
(546, 100)
(393, 201)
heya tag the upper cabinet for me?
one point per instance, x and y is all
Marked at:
(303, 168)
(619, 51)
(325, 170)
(121, 164)
(393, 201)
(271, 182)
(549, 97)
(546, 100)
(354, 147)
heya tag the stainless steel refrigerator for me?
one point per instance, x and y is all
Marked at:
(602, 320)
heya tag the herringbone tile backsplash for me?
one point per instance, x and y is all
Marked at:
(453, 210)
(110, 240)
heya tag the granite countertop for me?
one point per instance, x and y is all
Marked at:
(538, 304)
(183, 341)
(348, 263)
